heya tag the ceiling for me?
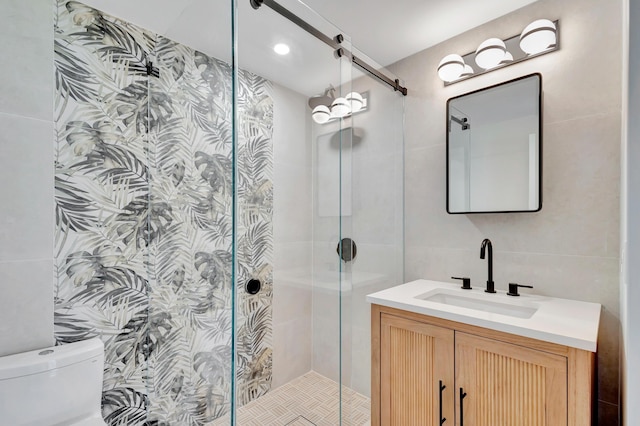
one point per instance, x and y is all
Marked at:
(384, 30)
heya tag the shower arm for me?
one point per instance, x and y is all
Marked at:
(334, 42)
(463, 122)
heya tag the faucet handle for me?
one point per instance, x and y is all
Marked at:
(513, 289)
(466, 282)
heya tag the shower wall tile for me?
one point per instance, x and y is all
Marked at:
(374, 201)
(26, 311)
(292, 300)
(25, 213)
(143, 219)
(295, 256)
(292, 232)
(254, 331)
(292, 203)
(292, 310)
(291, 122)
(292, 350)
(26, 87)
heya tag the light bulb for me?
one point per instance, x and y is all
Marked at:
(340, 107)
(355, 100)
(538, 36)
(321, 114)
(450, 67)
(508, 57)
(281, 49)
(490, 53)
(467, 71)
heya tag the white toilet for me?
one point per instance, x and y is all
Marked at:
(58, 386)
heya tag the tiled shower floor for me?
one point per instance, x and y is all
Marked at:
(309, 400)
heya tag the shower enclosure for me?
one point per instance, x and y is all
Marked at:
(217, 233)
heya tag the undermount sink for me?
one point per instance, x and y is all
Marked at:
(566, 322)
(479, 303)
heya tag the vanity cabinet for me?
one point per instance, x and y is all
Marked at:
(417, 370)
(427, 369)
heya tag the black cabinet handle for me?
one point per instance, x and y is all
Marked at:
(442, 419)
(462, 395)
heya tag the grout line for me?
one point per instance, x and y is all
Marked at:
(616, 111)
(24, 117)
(513, 252)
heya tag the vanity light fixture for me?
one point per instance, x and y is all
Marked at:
(321, 114)
(490, 53)
(340, 107)
(508, 57)
(355, 100)
(538, 38)
(327, 107)
(451, 67)
(468, 71)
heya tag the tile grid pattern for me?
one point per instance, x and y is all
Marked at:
(311, 399)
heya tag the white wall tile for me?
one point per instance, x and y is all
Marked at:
(26, 306)
(291, 351)
(292, 298)
(26, 168)
(32, 18)
(26, 82)
(292, 233)
(291, 127)
(292, 196)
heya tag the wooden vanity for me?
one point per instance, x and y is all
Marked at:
(428, 370)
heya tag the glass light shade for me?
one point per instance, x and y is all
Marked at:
(321, 114)
(340, 107)
(355, 100)
(450, 67)
(538, 36)
(490, 53)
(467, 71)
(508, 57)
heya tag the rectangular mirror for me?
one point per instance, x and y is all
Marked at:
(494, 148)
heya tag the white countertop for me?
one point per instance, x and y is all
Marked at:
(566, 322)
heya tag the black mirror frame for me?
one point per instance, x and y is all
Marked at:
(540, 139)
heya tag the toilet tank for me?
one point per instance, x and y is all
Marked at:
(61, 385)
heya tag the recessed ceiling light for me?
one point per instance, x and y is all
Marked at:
(281, 49)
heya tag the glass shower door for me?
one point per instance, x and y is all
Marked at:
(289, 211)
(376, 225)
(143, 203)
(190, 218)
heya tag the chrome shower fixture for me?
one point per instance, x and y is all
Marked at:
(327, 107)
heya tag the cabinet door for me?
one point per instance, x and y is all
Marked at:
(415, 358)
(508, 385)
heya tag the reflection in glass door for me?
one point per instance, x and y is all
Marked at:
(287, 366)
(319, 216)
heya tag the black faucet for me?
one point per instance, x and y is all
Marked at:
(487, 243)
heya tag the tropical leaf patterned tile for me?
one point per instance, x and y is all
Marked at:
(144, 219)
